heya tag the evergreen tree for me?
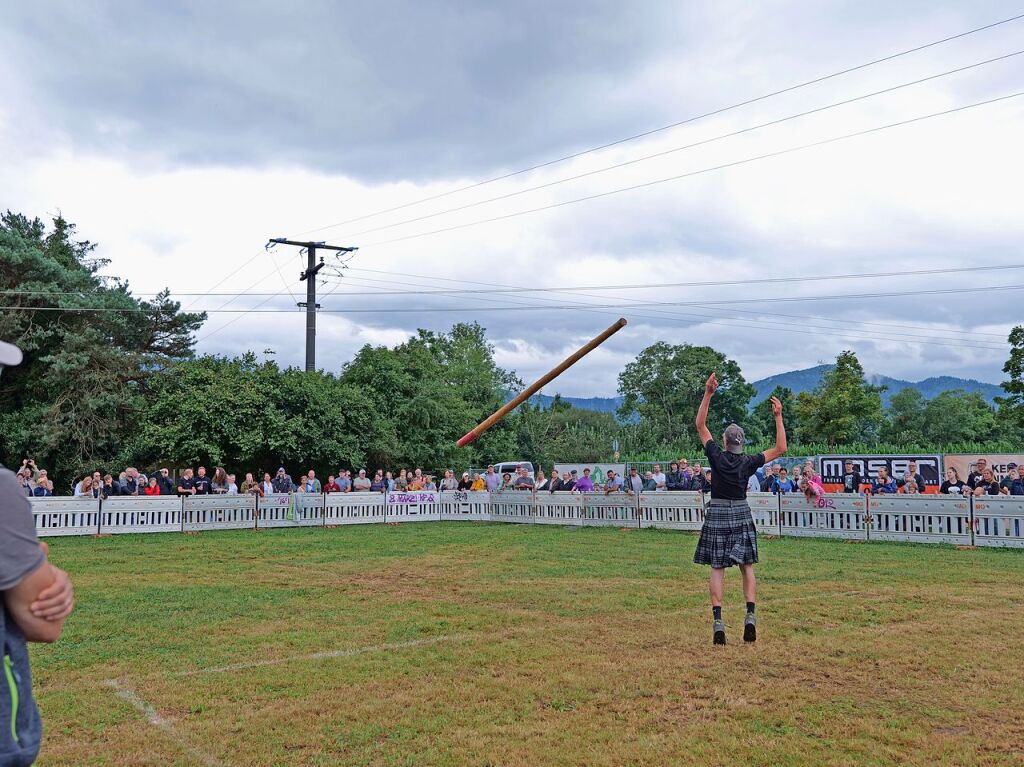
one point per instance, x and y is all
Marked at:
(92, 351)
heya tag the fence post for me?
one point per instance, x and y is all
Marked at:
(869, 521)
(181, 500)
(778, 504)
(972, 519)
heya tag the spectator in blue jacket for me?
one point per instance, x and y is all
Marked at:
(1012, 483)
(883, 483)
(782, 484)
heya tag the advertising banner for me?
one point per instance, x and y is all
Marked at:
(413, 498)
(966, 463)
(832, 468)
(598, 470)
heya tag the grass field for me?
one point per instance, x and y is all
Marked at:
(479, 644)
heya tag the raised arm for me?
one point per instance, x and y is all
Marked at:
(702, 411)
(780, 434)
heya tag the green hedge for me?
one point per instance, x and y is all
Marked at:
(820, 448)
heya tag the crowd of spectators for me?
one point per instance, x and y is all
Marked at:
(982, 481)
(681, 476)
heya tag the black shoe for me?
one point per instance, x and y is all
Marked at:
(719, 632)
(750, 628)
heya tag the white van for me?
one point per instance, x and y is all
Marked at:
(512, 467)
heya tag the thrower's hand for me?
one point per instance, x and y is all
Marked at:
(776, 407)
(711, 385)
(57, 600)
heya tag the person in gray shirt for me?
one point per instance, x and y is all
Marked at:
(36, 598)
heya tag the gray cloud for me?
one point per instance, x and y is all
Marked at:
(397, 89)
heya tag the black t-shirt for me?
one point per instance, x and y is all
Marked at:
(186, 484)
(852, 482)
(952, 488)
(989, 488)
(730, 471)
(202, 485)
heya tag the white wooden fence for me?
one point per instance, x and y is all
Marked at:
(981, 521)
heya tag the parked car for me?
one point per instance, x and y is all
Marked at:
(512, 467)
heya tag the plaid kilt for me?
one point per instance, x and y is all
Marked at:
(728, 536)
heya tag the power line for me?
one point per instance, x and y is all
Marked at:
(260, 281)
(497, 289)
(634, 137)
(284, 282)
(236, 319)
(235, 298)
(694, 284)
(723, 166)
(218, 284)
(691, 319)
(674, 150)
(639, 305)
(663, 315)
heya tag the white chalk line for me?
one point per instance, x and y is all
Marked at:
(326, 654)
(123, 691)
(153, 717)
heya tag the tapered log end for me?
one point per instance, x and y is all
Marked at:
(466, 439)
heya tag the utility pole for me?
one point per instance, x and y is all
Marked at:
(309, 277)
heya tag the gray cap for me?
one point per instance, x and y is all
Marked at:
(734, 438)
(10, 355)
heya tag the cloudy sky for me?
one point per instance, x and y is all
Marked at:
(181, 136)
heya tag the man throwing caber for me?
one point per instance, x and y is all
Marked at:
(728, 536)
(35, 598)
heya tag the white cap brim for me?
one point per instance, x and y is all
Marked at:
(10, 354)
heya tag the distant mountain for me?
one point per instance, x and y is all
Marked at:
(602, 404)
(807, 380)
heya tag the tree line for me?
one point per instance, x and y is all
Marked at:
(112, 380)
